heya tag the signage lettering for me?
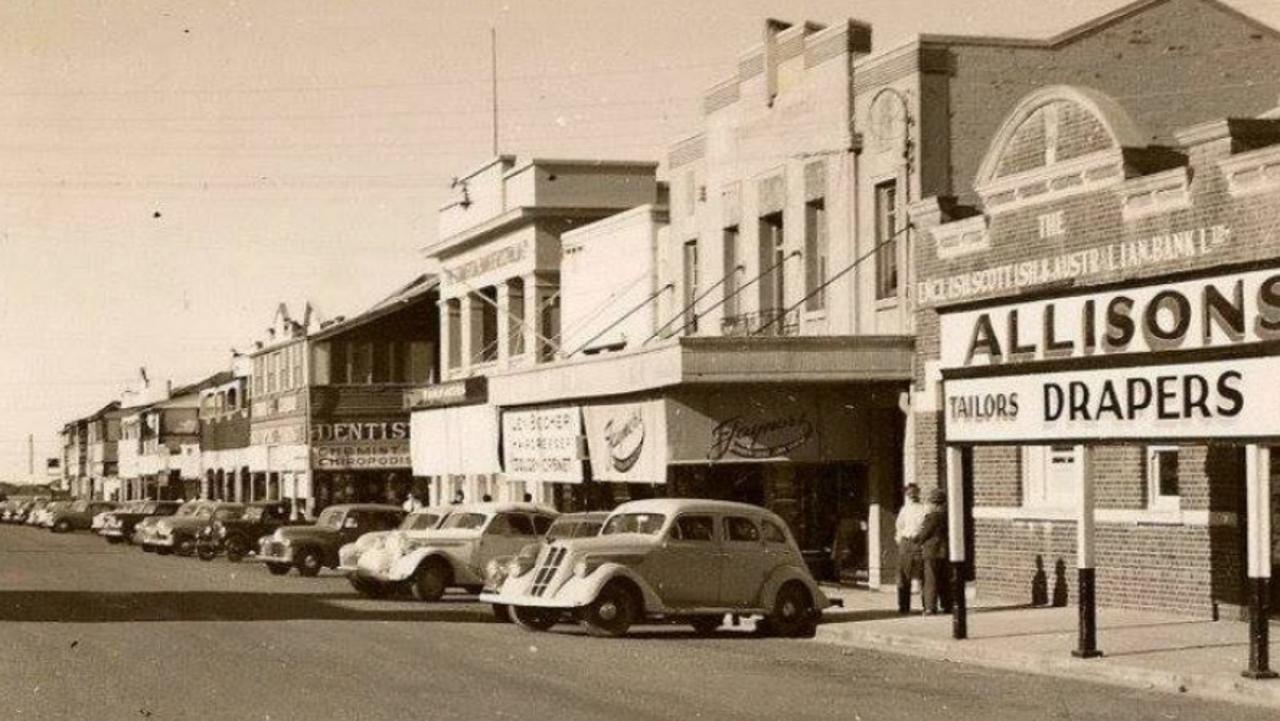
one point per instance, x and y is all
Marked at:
(626, 441)
(761, 439)
(345, 432)
(486, 263)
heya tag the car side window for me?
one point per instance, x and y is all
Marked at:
(511, 524)
(741, 529)
(694, 528)
(541, 524)
(773, 534)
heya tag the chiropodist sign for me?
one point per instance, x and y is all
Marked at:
(1189, 358)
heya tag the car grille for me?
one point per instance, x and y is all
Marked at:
(271, 548)
(547, 571)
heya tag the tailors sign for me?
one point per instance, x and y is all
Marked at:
(1189, 358)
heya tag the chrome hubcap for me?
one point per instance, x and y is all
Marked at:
(608, 611)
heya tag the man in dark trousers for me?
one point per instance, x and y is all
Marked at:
(932, 541)
(907, 530)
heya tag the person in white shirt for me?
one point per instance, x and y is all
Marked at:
(910, 520)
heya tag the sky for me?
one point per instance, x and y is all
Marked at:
(171, 171)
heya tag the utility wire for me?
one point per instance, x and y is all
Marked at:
(628, 314)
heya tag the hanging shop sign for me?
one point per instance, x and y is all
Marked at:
(450, 393)
(627, 442)
(543, 444)
(362, 456)
(1212, 399)
(1225, 310)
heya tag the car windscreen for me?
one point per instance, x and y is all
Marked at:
(204, 512)
(330, 518)
(419, 521)
(464, 520)
(646, 523)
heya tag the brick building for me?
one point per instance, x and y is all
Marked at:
(1084, 192)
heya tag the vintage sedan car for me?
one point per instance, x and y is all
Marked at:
(454, 554)
(120, 524)
(16, 510)
(312, 547)
(570, 525)
(146, 534)
(78, 515)
(178, 533)
(237, 535)
(673, 560)
(41, 518)
(423, 519)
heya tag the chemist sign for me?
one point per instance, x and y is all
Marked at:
(1187, 359)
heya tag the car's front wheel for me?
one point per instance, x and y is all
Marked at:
(534, 619)
(612, 613)
(793, 615)
(185, 546)
(309, 563)
(61, 527)
(206, 553)
(278, 569)
(236, 550)
(430, 582)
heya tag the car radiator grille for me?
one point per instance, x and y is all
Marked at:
(271, 548)
(545, 572)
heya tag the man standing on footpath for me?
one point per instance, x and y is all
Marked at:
(932, 541)
(910, 521)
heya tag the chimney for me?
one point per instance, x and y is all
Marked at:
(772, 27)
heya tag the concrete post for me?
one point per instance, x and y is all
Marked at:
(532, 312)
(1087, 643)
(955, 541)
(466, 305)
(1258, 528)
(504, 322)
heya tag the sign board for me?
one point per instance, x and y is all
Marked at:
(1212, 399)
(449, 393)
(360, 431)
(542, 444)
(1225, 310)
(628, 441)
(365, 456)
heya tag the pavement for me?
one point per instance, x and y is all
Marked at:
(92, 632)
(1141, 649)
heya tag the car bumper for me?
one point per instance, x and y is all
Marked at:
(112, 532)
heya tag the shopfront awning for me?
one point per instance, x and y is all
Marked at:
(459, 440)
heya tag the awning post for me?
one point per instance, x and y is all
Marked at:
(955, 540)
(1258, 528)
(1086, 591)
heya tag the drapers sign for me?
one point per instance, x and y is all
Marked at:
(543, 444)
(1175, 360)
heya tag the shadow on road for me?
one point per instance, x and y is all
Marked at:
(120, 607)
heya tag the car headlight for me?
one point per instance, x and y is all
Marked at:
(220, 531)
(494, 571)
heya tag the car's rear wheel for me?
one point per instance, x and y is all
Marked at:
(278, 569)
(430, 582)
(206, 553)
(706, 625)
(612, 613)
(793, 615)
(236, 550)
(534, 619)
(185, 546)
(61, 526)
(309, 563)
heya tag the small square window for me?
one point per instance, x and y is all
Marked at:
(1162, 477)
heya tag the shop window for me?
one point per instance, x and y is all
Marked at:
(694, 528)
(1162, 477)
(1051, 476)
(690, 290)
(421, 365)
(815, 254)
(321, 363)
(741, 529)
(233, 400)
(360, 362)
(731, 285)
(886, 219)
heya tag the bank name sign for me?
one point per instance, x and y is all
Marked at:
(1177, 360)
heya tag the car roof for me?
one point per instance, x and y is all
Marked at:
(678, 505)
(502, 506)
(584, 516)
(366, 507)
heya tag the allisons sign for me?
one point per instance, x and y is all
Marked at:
(1118, 364)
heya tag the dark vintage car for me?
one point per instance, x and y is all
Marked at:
(312, 547)
(78, 515)
(178, 533)
(120, 523)
(235, 535)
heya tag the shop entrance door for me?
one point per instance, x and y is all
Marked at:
(834, 533)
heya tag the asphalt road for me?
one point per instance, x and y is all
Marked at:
(97, 632)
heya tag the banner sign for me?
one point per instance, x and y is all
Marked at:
(628, 441)
(362, 456)
(1225, 310)
(1213, 399)
(357, 431)
(449, 393)
(542, 445)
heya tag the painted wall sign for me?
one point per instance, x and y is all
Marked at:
(760, 438)
(628, 441)
(1225, 310)
(487, 262)
(1215, 399)
(362, 456)
(360, 431)
(1129, 255)
(542, 445)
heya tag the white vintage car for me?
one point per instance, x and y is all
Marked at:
(452, 555)
(349, 555)
(674, 560)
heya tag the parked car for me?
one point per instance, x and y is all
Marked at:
(177, 534)
(15, 510)
(100, 518)
(41, 517)
(675, 560)
(147, 535)
(454, 554)
(349, 555)
(77, 515)
(236, 534)
(570, 525)
(120, 524)
(312, 547)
